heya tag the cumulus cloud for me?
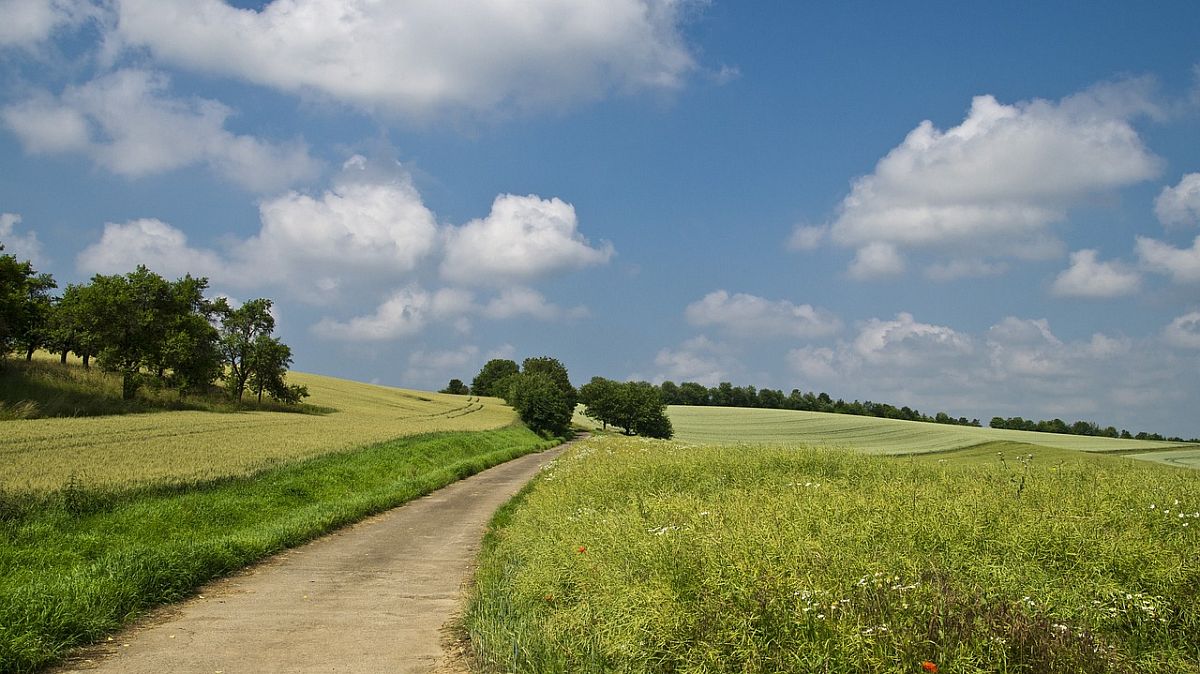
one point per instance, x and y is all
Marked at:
(698, 359)
(1184, 332)
(520, 301)
(29, 22)
(127, 122)
(419, 58)
(521, 239)
(905, 342)
(808, 237)
(993, 185)
(151, 242)
(406, 312)
(1180, 205)
(356, 231)
(749, 316)
(1088, 277)
(1181, 264)
(21, 246)
(876, 260)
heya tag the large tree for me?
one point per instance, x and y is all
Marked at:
(555, 371)
(496, 369)
(540, 402)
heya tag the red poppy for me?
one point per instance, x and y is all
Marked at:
(582, 549)
(929, 667)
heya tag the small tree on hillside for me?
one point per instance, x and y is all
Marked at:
(240, 331)
(456, 387)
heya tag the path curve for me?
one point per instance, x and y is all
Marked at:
(372, 597)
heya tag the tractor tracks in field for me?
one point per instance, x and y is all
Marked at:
(373, 597)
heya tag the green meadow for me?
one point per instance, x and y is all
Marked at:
(632, 555)
(725, 425)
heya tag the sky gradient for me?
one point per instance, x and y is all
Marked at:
(983, 210)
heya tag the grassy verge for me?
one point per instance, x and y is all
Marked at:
(639, 556)
(78, 563)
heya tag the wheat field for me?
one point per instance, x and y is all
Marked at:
(184, 446)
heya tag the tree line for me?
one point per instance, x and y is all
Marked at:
(726, 394)
(1078, 428)
(148, 330)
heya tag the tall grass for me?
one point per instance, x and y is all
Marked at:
(79, 562)
(641, 556)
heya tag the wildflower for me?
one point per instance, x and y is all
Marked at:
(582, 549)
(929, 666)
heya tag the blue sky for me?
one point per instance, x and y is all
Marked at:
(982, 209)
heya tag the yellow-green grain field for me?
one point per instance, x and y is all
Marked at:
(632, 555)
(724, 425)
(184, 446)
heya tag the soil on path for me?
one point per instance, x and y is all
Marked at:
(373, 597)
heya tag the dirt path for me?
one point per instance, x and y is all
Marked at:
(370, 598)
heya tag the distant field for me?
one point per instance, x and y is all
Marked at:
(724, 425)
(44, 454)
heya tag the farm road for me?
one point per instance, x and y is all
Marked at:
(372, 597)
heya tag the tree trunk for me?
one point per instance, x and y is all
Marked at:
(62, 357)
(29, 355)
(128, 385)
(260, 395)
(87, 357)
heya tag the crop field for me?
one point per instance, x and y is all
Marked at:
(184, 446)
(630, 555)
(724, 425)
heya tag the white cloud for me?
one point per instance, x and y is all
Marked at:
(906, 342)
(126, 122)
(1087, 277)
(698, 359)
(1181, 264)
(356, 232)
(153, 243)
(994, 184)
(406, 312)
(29, 22)
(808, 237)
(1180, 205)
(876, 260)
(814, 364)
(521, 239)
(1184, 332)
(520, 301)
(423, 57)
(20, 246)
(750, 316)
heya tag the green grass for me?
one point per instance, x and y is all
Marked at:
(726, 425)
(77, 563)
(642, 556)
